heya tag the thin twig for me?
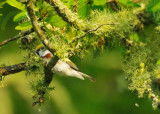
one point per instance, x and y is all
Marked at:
(75, 6)
(95, 29)
(9, 40)
(16, 37)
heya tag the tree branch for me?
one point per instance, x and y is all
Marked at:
(95, 29)
(155, 100)
(12, 69)
(47, 69)
(61, 11)
(16, 37)
(113, 4)
(9, 40)
(37, 28)
(47, 80)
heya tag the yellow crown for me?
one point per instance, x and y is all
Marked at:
(39, 46)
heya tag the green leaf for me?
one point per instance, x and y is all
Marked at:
(123, 1)
(49, 32)
(82, 8)
(153, 6)
(99, 2)
(129, 3)
(53, 19)
(39, 4)
(24, 26)
(56, 21)
(1, 14)
(19, 17)
(63, 38)
(68, 3)
(16, 4)
(60, 24)
(2, 4)
(45, 8)
(134, 37)
(158, 62)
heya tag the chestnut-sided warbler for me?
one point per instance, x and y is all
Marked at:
(63, 67)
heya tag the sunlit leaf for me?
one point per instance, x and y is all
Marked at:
(158, 62)
(39, 4)
(44, 7)
(129, 3)
(49, 32)
(153, 6)
(123, 1)
(82, 8)
(68, 3)
(99, 2)
(24, 26)
(63, 38)
(16, 4)
(134, 37)
(1, 14)
(20, 17)
(60, 24)
(56, 21)
(156, 7)
(53, 19)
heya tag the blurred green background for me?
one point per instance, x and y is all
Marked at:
(108, 95)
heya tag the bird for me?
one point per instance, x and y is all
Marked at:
(63, 67)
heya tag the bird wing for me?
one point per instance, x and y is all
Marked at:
(72, 65)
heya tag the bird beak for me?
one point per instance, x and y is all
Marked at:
(33, 51)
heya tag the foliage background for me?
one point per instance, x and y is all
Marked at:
(109, 94)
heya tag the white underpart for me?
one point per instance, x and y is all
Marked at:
(61, 68)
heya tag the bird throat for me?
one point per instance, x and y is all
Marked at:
(48, 56)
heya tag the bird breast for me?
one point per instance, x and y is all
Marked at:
(60, 68)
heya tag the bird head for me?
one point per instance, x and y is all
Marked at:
(42, 52)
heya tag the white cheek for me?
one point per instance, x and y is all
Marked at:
(40, 53)
(43, 53)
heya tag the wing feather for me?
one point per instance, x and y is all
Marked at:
(72, 65)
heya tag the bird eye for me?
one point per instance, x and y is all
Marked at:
(42, 48)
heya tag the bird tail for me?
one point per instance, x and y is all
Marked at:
(87, 76)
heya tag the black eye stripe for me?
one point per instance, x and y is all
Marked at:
(38, 51)
(42, 49)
